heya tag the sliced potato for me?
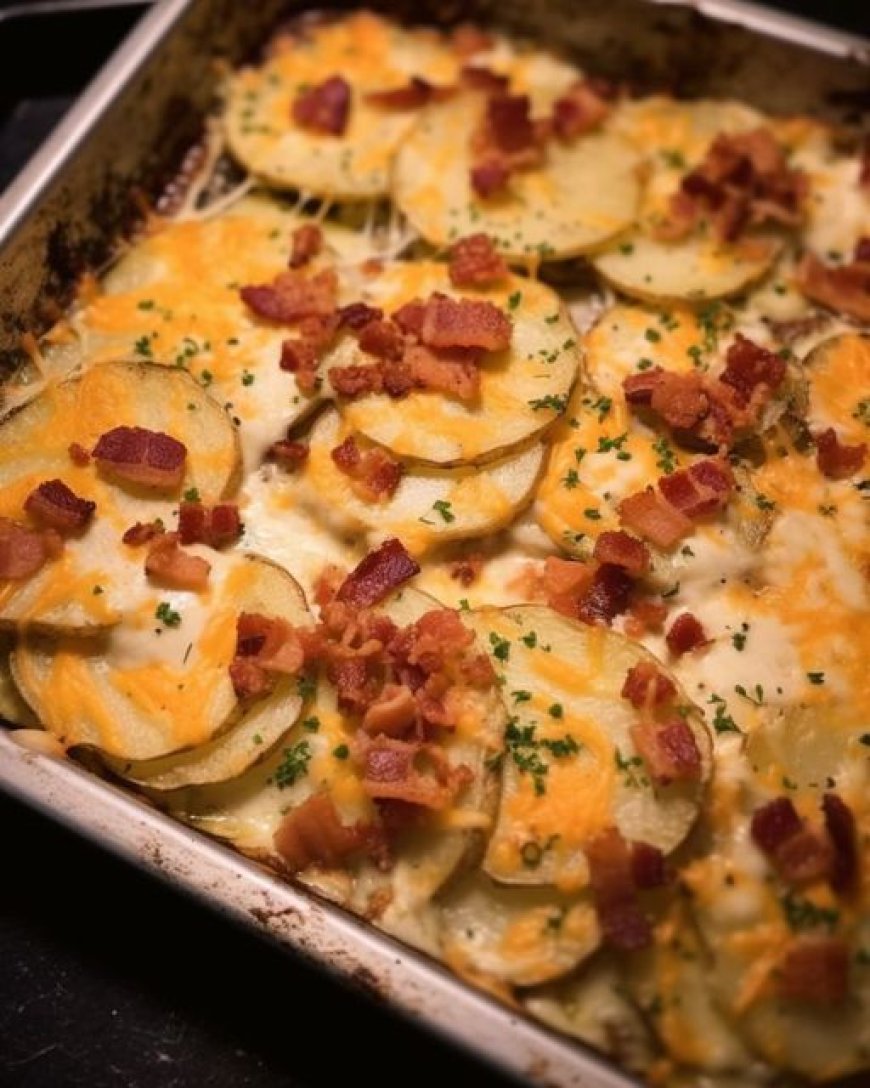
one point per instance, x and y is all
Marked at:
(13, 708)
(522, 936)
(159, 683)
(371, 55)
(230, 754)
(97, 579)
(523, 389)
(429, 506)
(174, 298)
(571, 768)
(586, 192)
(838, 371)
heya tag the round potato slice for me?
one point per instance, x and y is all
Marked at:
(230, 754)
(174, 299)
(521, 936)
(97, 579)
(158, 683)
(839, 397)
(571, 769)
(523, 389)
(430, 505)
(586, 192)
(371, 55)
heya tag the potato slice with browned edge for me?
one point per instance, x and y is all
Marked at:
(159, 682)
(314, 757)
(97, 579)
(13, 708)
(523, 389)
(571, 768)
(371, 55)
(520, 936)
(260, 727)
(174, 299)
(585, 193)
(430, 505)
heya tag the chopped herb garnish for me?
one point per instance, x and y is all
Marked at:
(501, 647)
(97, 590)
(591, 513)
(551, 401)
(341, 752)
(738, 639)
(531, 639)
(143, 346)
(293, 765)
(556, 711)
(802, 914)
(312, 724)
(630, 769)
(514, 300)
(816, 677)
(167, 614)
(722, 720)
(247, 378)
(653, 335)
(665, 457)
(571, 479)
(756, 697)
(522, 696)
(191, 495)
(442, 507)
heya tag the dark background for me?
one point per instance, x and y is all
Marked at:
(107, 978)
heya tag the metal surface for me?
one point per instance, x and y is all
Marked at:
(127, 135)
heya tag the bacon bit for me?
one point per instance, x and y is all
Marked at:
(581, 109)
(249, 680)
(25, 551)
(171, 566)
(749, 366)
(393, 713)
(414, 772)
(377, 575)
(774, 823)
(815, 970)
(638, 388)
(212, 525)
(489, 178)
(290, 455)
(841, 829)
(679, 399)
(56, 506)
(382, 339)
(646, 686)
(509, 121)
(293, 295)
(356, 381)
(648, 868)
(645, 615)
(844, 288)
(143, 532)
(653, 518)
(374, 474)
(702, 489)
(307, 242)
(356, 688)
(686, 634)
(276, 645)
(79, 455)
(324, 107)
(799, 855)
(139, 456)
(313, 834)
(464, 323)
(607, 595)
(623, 923)
(456, 372)
(467, 39)
(506, 140)
(669, 751)
(478, 78)
(624, 551)
(564, 582)
(835, 460)
(410, 317)
(467, 570)
(415, 94)
(356, 315)
(474, 262)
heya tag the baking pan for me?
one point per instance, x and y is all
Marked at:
(118, 149)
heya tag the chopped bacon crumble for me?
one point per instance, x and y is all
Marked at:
(56, 506)
(139, 456)
(475, 262)
(325, 107)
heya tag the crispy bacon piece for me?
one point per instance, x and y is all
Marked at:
(57, 506)
(410, 771)
(393, 713)
(581, 109)
(79, 455)
(383, 339)
(749, 366)
(374, 474)
(356, 381)
(139, 456)
(607, 595)
(669, 751)
(414, 95)
(509, 120)
(377, 575)
(844, 288)
(325, 107)
(815, 970)
(474, 262)
(467, 570)
(249, 680)
(409, 317)
(454, 372)
(489, 177)
(565, 581)
(798, 853)
(638, 388)
(622, 550)
(646, 686)
(623, 923)
(143, 532)
(307, 242)
(648, 868)
(293, 295)
(356, 315)
(506, 140)
(842, 832)
(702, 489)
(645, 615)
(653, 518)
(686, 634)
(168, 564)
(835, 460)
(313, 834)
(25, 551)
(464, 323)
(774, 823)
(679, 399)
(288, 453)
(213, 525)
(266, 646)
